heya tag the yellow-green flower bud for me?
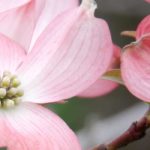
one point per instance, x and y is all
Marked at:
(15, 82)
(2, 92)
(5, 82)
(11, 92)
(8, 103)
(20, 92)
(17, 100)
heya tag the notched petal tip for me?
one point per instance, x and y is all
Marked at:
(135, 68)
(144, 40)
(89, 5)
(129, 46)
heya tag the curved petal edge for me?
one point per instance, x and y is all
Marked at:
(135, 68)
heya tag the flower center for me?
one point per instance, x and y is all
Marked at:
(10, 91)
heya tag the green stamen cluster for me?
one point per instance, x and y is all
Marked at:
(10, 93)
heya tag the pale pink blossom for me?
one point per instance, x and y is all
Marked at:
(72, 52)
(28, 18)
(103, 86)
(135, 64)
(32, 127)
(7, 4)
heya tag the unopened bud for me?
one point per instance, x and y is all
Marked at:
(17, 100)
(8, 103)
(11, 92)
(20, 92)
(15, 82)
(5, 82)
(2, 92)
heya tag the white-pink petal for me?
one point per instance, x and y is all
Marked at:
(3, 132)
(19, 23)
(51, 9)
(9, 4)
(99, 88)
(102, 87)
(135, 68)
(143, 27)
(32, 127)
(11, 55)
(71, 54)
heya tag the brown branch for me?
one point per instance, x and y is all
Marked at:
(135, 132)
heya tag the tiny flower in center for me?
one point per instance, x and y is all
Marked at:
(10, 91)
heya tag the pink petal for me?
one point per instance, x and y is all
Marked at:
(115, 62)
(71, 54)
(33, 127)
(143, 27)
(102, 87)
(9, 4)
(3, 132)
(99, 88)
(147, 1)
(136, 68)
(11, 54)
(19, 23)
(51, 9)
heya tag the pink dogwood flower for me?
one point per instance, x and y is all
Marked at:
(73, 51)
(103, 86)
(28, 18)
(135, 64)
